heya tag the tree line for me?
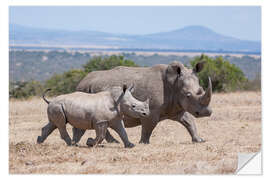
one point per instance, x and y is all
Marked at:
(226, 77)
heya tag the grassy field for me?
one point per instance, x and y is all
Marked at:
(235, 126)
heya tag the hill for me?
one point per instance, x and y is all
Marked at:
(188, 38)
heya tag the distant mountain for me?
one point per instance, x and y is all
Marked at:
(188, 38)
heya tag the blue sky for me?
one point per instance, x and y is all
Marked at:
(243, 22)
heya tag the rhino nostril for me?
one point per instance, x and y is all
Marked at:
(144, 114)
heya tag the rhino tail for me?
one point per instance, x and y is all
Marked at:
(43, 96)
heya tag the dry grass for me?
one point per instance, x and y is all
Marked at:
(235, 126)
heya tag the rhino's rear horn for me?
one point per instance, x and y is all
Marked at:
(206, 98)
(131, 88)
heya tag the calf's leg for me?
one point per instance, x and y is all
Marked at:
(45, 132)
(77, 135)
(100, 128)
(64, 135)
(57, 115)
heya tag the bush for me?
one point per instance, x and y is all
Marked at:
(225, 76)
(64, 83)
(67, 82)
(106, 63)
(25, 89)
(255, 84)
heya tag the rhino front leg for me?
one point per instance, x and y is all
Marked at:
(146, 133)
(187, 121)
(118, 126)
(101, 129)
(148, 126)
(109, 138)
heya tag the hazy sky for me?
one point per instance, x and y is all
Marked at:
(242, 22)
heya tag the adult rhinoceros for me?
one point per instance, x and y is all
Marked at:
(172, 90)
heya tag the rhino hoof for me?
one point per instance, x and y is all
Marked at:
(112, 141)
(90, 142)
(74, 144)
(144, 142)
(39, 140)
(129, 145)
(198, 140)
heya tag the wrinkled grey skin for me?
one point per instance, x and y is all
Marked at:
(93, 111)
(173, 91)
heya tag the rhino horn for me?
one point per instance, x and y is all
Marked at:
(131, 88)
(206, 98)
(147, 101)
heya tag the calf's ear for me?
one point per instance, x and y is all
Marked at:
(199, 66)
(124, 88)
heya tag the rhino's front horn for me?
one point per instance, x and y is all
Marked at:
(147, 101)
(206, 98)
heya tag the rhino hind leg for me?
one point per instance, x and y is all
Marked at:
(100, 129)
(45, 132)
(109, 138)
(65, 136)
(58, 117)
(77, 135)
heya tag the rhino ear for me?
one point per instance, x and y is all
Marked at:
(178, 71)
(124, 88)
(199, 66)
(173, 71)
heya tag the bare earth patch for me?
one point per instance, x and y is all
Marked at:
(235, 126)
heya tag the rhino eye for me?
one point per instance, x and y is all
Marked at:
(188, 95)
(133, 106)
(199, 92)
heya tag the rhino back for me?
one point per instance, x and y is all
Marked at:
(83, 109)
(148, 82)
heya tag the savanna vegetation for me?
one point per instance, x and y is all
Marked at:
(66, 82)
(40, 65)
(226, 76)
(233, 128)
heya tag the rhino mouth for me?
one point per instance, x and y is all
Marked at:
(204, 113)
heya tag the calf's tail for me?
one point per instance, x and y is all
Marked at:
(43, 96)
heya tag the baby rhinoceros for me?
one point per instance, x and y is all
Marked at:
(93, 111)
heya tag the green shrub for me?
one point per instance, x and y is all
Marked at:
(67, 82)
(25, 89)
(225, 76)
(106, 63)
(64, 83)
(255, 84)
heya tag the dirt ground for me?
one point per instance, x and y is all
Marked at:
(235, 126)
